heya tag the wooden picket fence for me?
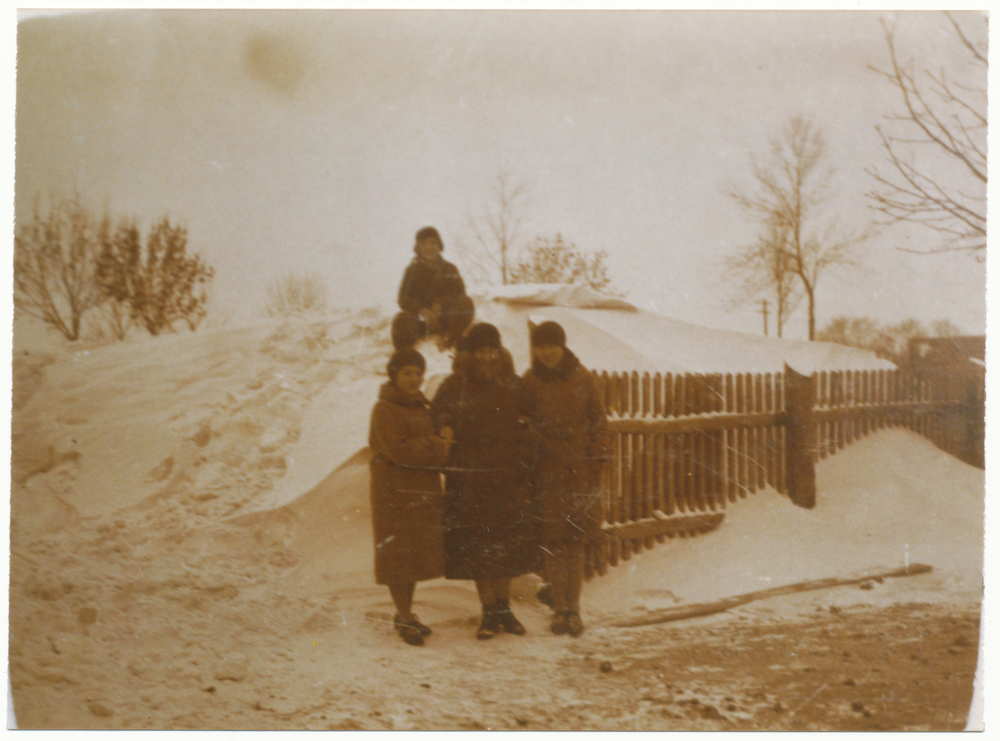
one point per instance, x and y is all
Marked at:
(686, 445)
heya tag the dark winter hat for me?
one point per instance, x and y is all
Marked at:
(481, 335)
(402, 358)
(428, 232)
(548, 333)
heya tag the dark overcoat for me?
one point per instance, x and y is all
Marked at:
(407, 497)
(569, 415)
(489, 531)
(426, 281)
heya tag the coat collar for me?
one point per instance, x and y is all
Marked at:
(561, 372)
(393, 395)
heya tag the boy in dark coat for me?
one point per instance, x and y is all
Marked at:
(406, 495)
(489, 532)
(432, 296)
(570, 417)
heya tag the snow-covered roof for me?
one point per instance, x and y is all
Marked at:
(553, 294)
(611, 334)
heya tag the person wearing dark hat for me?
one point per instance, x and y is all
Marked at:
(489, 536)
(431, 297)
(569, 415)
(406, 496)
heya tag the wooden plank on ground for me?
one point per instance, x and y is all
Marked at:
(682, 612)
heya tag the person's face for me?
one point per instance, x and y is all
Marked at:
(409, 379)
(429, 249)
(549, 355)
(487, 362)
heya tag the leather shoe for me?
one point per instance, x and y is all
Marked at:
(574, 625)
(508, 622)
(558, 624)
(490, 624)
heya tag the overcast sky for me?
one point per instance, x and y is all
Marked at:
(320, 140)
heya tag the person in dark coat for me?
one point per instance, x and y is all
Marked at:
(431, 297)
(489, 534)
(407, 499)
(569, 415)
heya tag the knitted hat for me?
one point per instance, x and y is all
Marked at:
(481, 335)
(402, 358)
(428, 232)
(548, 333)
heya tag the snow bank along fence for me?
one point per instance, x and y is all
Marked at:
(683, 446)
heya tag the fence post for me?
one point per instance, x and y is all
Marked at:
(800, 438)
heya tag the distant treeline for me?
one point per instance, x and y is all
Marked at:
(889, 341)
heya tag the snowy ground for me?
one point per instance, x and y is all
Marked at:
(191, 549)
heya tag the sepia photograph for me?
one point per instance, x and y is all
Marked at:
(475, 370)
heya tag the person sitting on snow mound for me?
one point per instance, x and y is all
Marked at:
(432, 297)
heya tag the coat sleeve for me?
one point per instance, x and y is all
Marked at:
(389, 438)
(410, 295)
(443, 404)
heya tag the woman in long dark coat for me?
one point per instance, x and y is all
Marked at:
(406, 495)
(569, 415)
(489, 533)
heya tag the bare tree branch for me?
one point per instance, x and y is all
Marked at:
(496, 232)
(948, 121)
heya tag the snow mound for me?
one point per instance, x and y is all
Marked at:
(885, 502)
(208, 424)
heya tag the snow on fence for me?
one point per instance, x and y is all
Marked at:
(686, 445)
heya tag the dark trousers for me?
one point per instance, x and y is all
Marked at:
(454, 317)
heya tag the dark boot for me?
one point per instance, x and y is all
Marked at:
(407, 330)
(408, 632)
(507, 620)
(574, 625)
(558, 624)
(490, 625)
(425, 630)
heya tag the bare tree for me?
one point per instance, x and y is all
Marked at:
(893, 340)
(851, 331)
(161, 284)
(763, 269)
(54, 259)
(496, 233)
(556, 261)
(296, 294)
(945, 328)
(936, 150)
(791, 195)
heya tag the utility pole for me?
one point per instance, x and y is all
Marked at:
(763, 310)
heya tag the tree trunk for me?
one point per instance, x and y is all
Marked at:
(812, 314)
